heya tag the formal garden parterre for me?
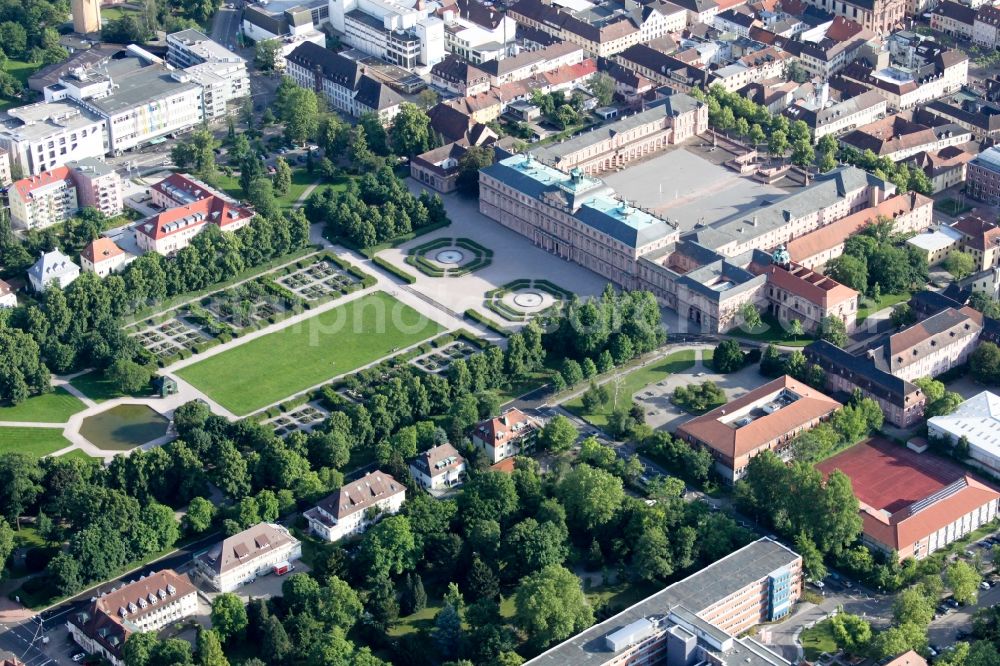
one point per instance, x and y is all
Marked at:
(524, 299)
(449, 257)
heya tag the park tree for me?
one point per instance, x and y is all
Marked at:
(963, 580)
(265, 54)
(849, 270)
(833, 330)
(488, 496)
(199, 516)
(959, 264)
(756, 135)
(851, 632)
(777, 143)
(282, 179)
(558, 434)
(728, 357)
(827, 161)
(531, 546)
(389, 547)
(208, 649)
(550, 605)
(6, 542)
(985, 363)
(771, 363)
(602, 86)
(591, 496)
(469, 164)
(128, 376)
(812, 558)
(751, 316)
(299, 108)
(19, 485)
(229, 616)
(410, 134)
(803, 154)
(912, 606)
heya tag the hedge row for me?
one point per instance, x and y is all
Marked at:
(487, 322)
(395, 270)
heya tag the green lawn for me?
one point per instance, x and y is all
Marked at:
(301, 180)
(20, 70)
(817, 640)
(97, 388)
(868, 306)
(54, 407)
(771, 331)
(633, 382)
(332, 343)
(33, 441)
(422, 619)
(77, 453)
(951, 207)
(114, 13)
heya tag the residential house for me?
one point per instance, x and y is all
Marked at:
(945, 168)
(823, 118)
(147, 604)
(898, 137)
(981, 239)
(357, 506)
(953, 18)
(8, 299)
(527, 64)
(904, 89)
(239, 559)
(104, 257)
(505, 436)
(438, 468)
(52, 268)
(986, 28)
(459, 77)
(979, 116)
(766, 419)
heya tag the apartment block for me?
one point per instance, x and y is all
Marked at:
(221, 73)
(98, 185)
(356, 507)
(5, 173)
(506, 435)
(983, 176)
(43, 200)
(144, 605)
(697, 620)
(406, 35)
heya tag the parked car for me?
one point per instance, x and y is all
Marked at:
(984, 585)
(79, 656)
(950, 601)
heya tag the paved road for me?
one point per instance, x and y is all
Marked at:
(226, 26)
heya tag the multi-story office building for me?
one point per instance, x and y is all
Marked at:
(42, 136)
(403, 32)
(356, 507)
(696, 620)
(242, 557)
(98, 185)
(477, 32)
(43, 200)
(148, 604)
(221, 73)
(342, 81)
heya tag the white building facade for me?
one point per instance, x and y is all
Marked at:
(356, 507)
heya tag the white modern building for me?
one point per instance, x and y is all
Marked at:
(357, 505)
(403, 32)
(52, 268)
(147, 604)
(978, 421)
(139, 98)
(506, 435)
(242, 557)
(438, 468)
(40, 201)
(221, 73)
(42, 136)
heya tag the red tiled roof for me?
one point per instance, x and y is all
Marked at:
(979, 232)
(5, 288)
(889, 479)
(508, 424)
(843, 29)
(360, 494)
(816, 288)
(835, 233)
(569, 73)
(910, 658)
(101, 249)
(733, 442)
(26, 185)
(210, 209)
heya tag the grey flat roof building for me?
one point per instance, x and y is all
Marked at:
(679, 605)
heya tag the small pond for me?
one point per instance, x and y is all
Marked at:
(124, 427)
